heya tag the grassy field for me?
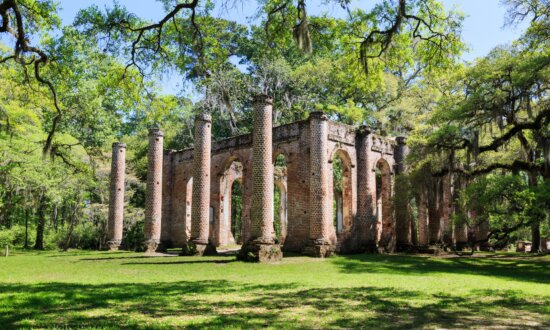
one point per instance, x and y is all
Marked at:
(122, 289)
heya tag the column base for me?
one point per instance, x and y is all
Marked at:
(198, 249)
(254, 251)
(151, 245)
(319, 249)
(113, 245)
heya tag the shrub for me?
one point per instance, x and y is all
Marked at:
(6, 238)
(85, 236)
(133, 237)
(15, 236)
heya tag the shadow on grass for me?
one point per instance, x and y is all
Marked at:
(183, 262)
(119, 258)
(521, 269)
(225, 304)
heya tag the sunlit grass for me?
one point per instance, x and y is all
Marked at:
(122, 289)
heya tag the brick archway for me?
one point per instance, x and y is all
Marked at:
(280, 186)
(342, 197)
(232, 171)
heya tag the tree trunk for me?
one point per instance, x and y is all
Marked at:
(72, 225)
(434, 212)
(26, 229)
(63, 215)
(53, 220)
(535, 226)
(546, 153)
(39, 242)
(414, 237)
(5, 212)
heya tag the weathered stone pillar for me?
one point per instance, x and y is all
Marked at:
(199, 243)
(116, 197)
(366, 221)
(153, 197)
(261, 244)
(320, 203)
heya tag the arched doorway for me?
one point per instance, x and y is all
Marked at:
(188, 195)
(231, 203)
(280, 199)
(384, 216)
(342, 193)
(237, 211)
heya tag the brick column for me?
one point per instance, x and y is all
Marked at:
(199, 243)
(153, 197)
(320, 203)
(116, 197)
(261, 244)
(365, 193)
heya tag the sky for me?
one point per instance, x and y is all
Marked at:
(483, 27)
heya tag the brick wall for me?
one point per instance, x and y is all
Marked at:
(308, 147)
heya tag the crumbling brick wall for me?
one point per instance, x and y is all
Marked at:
(361, 153)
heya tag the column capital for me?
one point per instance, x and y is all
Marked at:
(119, 145)
(319, 115)
(263, 98)
(401, 140)
(155, 131)
(364, 130)
(203, 117)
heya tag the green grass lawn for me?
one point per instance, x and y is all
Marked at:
(122, 289)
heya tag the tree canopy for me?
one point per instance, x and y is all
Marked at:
(70, 91)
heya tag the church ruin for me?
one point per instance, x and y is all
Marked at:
(189, 192)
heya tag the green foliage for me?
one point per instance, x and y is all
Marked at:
(507, 203)
(133, 237)
(237, 210)
(6, 238)
(105, 73)
(277, 219)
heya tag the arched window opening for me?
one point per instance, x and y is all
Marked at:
(337, 203)
(378, 194)
(383, 202)
(231, 204)
(342, 191)
(280, 199)
(237, 211)
(188, 194)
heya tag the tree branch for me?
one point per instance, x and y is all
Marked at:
(22, 46)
